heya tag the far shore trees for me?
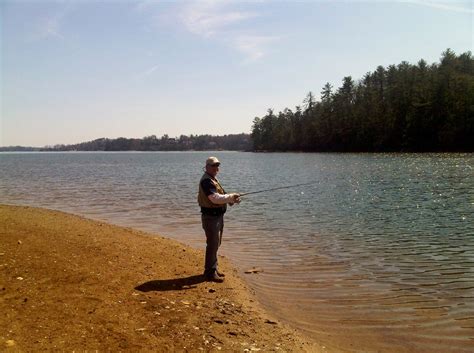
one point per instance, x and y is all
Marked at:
(402, 107)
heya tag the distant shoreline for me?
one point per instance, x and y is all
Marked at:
(221, 151)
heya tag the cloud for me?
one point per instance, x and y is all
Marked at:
(146, 73)
(442, 5)
(150, 71)
(227, 23)
(145, 4)
(50, 27)
(253, 46)
(51, 24)
(210, 18)
(218, 20)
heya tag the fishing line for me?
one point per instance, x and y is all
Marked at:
(278, 188)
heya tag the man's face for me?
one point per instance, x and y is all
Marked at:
(212, 169)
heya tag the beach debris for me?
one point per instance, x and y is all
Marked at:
(254, 270)
(185, 302)
(233, 333)
(219, 321)
(267, 321)
(10, 343)
(140, 329)
(19, 242)
(20, 278)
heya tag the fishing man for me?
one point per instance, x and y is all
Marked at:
(213, 201)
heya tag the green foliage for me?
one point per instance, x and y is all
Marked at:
(237, 142)
(402, 107)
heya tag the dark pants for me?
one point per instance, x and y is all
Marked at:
(213, 226)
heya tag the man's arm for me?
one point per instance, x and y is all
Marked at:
(223, 199)
(216, 198)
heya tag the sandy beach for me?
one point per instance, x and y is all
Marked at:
(73, 284)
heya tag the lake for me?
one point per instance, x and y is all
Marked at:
(375, 255)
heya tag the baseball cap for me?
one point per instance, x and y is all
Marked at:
(212, 161)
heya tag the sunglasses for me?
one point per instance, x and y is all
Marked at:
(215, 165)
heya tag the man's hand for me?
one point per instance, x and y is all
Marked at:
(236, 197)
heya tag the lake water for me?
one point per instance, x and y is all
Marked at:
(377, 255)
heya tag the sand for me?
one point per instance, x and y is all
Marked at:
(68, 283)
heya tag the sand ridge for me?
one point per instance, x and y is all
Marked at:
(74, 284)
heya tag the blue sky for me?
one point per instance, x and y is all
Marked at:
(73, 71)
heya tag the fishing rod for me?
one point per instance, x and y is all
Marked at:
(278, 188)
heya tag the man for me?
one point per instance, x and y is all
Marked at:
(213, 201)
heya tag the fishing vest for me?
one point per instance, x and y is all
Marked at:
(204, 201)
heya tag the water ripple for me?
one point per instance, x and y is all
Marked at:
(380, 247)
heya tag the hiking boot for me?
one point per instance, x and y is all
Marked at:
(214, 278)
(220, 274)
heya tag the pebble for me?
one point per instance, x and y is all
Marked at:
(20, 278)
(270, 322)
(10, 343)
(254, 270)
(19, 241)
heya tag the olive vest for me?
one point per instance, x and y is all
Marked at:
(203, 200)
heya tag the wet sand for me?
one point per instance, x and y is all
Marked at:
(71, 283)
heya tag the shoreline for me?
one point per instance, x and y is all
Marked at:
(69, 282)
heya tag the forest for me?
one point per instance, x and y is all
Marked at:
(404, 107)
(237, 142)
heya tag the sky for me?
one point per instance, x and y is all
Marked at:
(74, 71)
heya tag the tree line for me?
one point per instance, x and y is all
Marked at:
(402, 107)
(237, 142)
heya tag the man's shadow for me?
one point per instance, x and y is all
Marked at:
(171, 284)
